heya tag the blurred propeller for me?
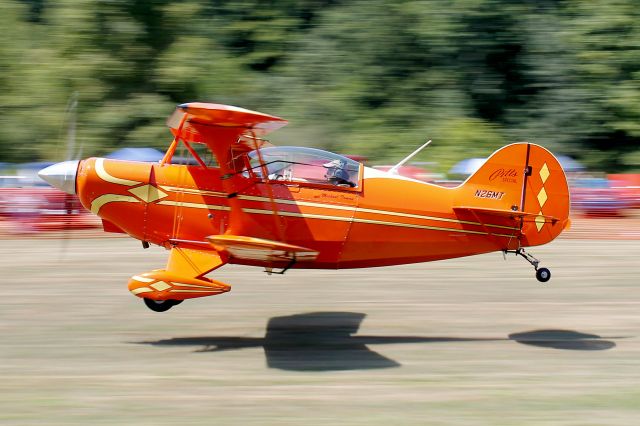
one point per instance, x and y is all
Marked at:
(72, 108)
(73, 155)
(63, 175)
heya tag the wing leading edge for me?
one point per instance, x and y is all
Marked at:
(185, 120)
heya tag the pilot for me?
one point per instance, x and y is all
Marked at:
(336, 173)
(279, 170)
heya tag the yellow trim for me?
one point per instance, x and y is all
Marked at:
(296, 203)
(160, 286)
(141, 290)
(194, 291)
(102, 174)
(544, 173)
(148, 193)
(540, 221)
(142, 279)
(100, 201)
(372, 211)
(194, 205)
(326, 206)
(434, 218)
(408, 225)
(336, 218)
(367, 221)
(193, 191)
(190, 285)
(542, 197)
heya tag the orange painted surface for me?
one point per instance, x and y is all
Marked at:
(382, 220)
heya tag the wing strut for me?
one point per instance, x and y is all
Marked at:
(172, 148)
(274, 206)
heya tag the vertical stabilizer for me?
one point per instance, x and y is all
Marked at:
(524, 182)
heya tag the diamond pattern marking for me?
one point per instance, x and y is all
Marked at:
(542, 197)
(160, 286)
(148, 193)
(544, 173)
(539, 221)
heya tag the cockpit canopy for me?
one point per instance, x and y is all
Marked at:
(310, 165)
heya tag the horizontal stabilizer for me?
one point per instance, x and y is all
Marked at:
(250, 248)
(509, 214)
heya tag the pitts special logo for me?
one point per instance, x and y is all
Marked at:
(504, 175)
(493, 195)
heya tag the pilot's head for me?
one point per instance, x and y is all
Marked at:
(335, 164)
(336, 172)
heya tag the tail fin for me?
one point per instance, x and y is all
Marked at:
(523, 184)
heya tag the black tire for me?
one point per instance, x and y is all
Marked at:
(543, 275)
(159, 305)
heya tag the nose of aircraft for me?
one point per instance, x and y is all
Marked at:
(61, 175)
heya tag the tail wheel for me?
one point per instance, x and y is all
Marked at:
(543, 275)
(160, 305)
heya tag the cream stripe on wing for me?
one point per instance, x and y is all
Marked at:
(102, 174)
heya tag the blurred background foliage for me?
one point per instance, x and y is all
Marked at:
(375, 78)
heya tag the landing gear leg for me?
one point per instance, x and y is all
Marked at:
(542, 274)
(160, 305)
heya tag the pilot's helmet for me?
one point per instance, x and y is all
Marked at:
(335, 164)
(336, 171)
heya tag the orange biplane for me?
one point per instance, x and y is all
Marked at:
(247, 202)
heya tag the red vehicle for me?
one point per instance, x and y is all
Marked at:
(629, 186)
(598, 197)
(26, 209)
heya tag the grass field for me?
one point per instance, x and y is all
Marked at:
(473, 341)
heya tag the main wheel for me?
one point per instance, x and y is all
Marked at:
(160, 305)
(543, 275)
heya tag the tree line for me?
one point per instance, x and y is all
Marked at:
(375, 78)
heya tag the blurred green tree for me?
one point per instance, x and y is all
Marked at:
(371, 77)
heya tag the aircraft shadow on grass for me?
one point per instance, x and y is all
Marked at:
(325, 341)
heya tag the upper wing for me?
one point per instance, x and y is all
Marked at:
(187, 120)
(227, 131)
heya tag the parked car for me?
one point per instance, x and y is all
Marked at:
(597, 197)
(629, 185)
